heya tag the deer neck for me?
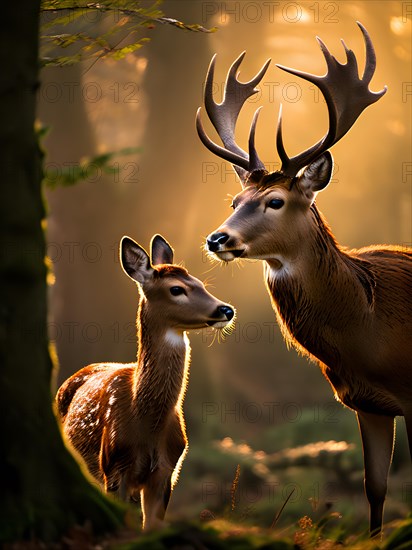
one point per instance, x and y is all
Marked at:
(162, 367)
(320, 293)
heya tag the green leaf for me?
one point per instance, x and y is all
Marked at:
(122, 52)
(73, 173)
(125, 20)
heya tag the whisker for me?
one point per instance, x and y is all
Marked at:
(213, 339)
(209, 282)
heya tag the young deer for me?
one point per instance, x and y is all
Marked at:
(126, 420)
(350, 311)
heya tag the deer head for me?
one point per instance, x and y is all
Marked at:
(281, 200)
(177, 299)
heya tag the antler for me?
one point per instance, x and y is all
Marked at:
(224, 116)
(346, 97)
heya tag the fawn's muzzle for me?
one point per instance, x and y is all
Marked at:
(222, 316)
(227, 311)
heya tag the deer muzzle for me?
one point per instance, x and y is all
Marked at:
(223, 315)
(223, 246)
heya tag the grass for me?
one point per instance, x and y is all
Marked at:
(220, 534)
(231, 533)
(326, 524)
(328, 532)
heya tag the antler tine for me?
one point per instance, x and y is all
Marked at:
(254, 161)
(346, 97)
(224, 117)
(370, 64)
(241, 163)
(279, 140)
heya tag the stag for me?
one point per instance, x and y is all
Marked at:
(349, 311)
(126, 420)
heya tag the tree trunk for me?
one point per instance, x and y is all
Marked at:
(43, 491)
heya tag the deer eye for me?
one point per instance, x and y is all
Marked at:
(275, 204)
(177, 290)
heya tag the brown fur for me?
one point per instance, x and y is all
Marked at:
(381, 279)
(126, 420)
(350, 311)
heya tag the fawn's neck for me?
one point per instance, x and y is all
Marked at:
(162, 367)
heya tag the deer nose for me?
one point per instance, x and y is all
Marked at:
(215, 240)
(227, 311)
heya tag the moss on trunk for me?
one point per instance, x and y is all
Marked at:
(43, 490)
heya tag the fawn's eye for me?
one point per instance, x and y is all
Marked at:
(275, 204)
(177, 290)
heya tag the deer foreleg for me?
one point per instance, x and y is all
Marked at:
(114, 482)
(377, 433)
(155, 498)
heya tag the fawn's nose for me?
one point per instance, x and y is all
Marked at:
(227, 311)
(215, 240)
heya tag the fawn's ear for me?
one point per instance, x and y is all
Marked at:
(161, 251)
(135, 260)
(316, 175)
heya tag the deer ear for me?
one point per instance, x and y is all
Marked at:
(135, 260)
(161, 251)
(316, 175)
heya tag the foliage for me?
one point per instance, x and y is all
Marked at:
(217, 535)
(401, 537)
(88, 169)
(107, 29)
(249, 484)
(326, 533)
(303, 535)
